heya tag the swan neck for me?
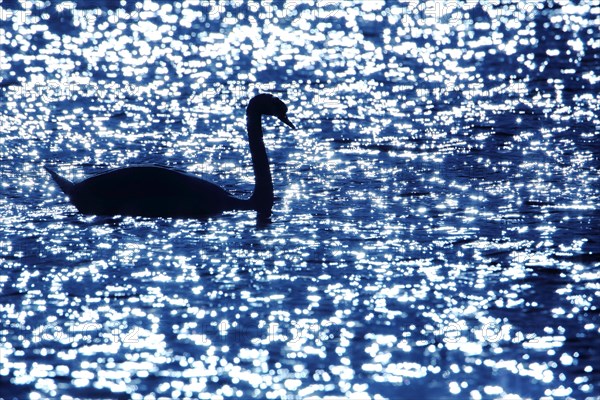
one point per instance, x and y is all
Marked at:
(262, 198)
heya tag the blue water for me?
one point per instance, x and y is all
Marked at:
(435, 230)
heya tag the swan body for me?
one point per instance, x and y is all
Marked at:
(154, 191)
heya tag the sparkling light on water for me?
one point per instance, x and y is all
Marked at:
(435, 227)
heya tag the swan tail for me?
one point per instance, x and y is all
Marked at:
(64, 184)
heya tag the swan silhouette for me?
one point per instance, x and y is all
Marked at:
(154, 191)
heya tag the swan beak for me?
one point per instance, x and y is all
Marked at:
(286, 121)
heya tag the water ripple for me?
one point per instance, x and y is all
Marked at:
(434, 230)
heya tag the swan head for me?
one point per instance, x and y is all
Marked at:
(267, 104)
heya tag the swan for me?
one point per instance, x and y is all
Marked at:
(154, 191)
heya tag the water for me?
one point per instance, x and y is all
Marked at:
(435, 228)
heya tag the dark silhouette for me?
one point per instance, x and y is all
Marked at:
(154, 191)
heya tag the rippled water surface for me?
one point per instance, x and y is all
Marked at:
(435, 231)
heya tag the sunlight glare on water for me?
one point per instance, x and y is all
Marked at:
(434, 232)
